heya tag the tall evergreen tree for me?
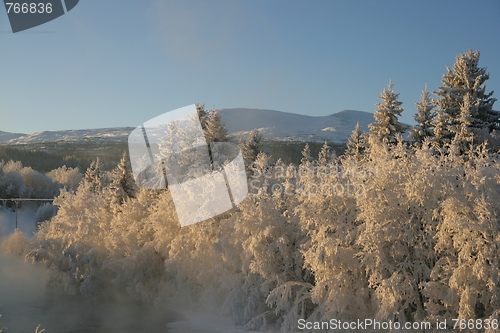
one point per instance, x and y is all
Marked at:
(122, 185)
(92, 178)
(324, 155)
(306, 155)
(216, 130)
(466, 77)
(463, 133)
(424, 118)
(441, 132)
(250, 148)
(356, 144)
(386, 124)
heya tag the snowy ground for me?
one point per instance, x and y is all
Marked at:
(25, 219)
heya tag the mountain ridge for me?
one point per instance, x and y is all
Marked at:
(273, 125)
(335, 127)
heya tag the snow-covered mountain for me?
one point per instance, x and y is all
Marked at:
(6, 136)
(272, 124)
(285, 126)
(114, 134)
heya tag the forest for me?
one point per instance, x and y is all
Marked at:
(394, 229)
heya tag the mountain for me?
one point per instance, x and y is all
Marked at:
(114, 134)
(285, 126)
(6, 136)
(276, 125)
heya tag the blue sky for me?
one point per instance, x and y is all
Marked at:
(118, 63)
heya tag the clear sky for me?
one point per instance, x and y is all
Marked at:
(111, 63)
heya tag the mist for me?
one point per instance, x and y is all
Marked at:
(22, 289)
(26, 303)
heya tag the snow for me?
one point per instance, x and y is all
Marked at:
(26, 221)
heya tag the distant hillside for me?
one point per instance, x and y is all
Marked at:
(114, 134)
(6, 136)
(274, 125)
(283, 126)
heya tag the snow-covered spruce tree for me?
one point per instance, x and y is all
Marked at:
(325, 156)
(466, 77)
(250, 148)
(464, 135)
(424, 118)
(122, 185)
(356, 143)
(216, 130)
(386, 124)
(441, 128)
(92, 179)
(307, 158)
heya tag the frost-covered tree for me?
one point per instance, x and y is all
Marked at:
(356, 143)
(386, 124)
(463, 132)
(466, 78)
(441, 129)
(407, 234)
(69, 177)
(122, 185)
(180, 160)
(11, 182)
(92, 177)
(250, 148)
(464, 282)
(424, 117)
(18, 181)
(325, 155)
(216, 130)
(306, 155)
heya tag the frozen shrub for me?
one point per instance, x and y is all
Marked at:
(45, 212)
(17, 243)
(69, 177)
(12, 185)
(38, 185)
